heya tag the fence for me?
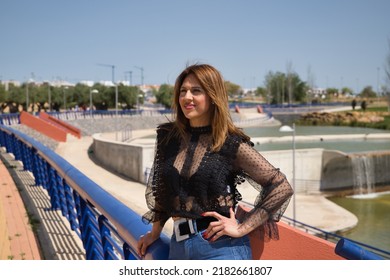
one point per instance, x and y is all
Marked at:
(108, 229)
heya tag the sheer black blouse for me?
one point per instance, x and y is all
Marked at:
(187, 179)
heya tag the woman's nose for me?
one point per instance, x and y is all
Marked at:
(188, 94)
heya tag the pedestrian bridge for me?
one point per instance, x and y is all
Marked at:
(108, 230)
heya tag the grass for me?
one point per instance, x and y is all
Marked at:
(385, 124)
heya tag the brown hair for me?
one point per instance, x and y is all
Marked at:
(212, 82)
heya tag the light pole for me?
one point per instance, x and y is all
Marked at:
(91, 91)
(63, 91)
(116, 95)
(49, 93)
(27, 97)
(115, 85)
(130, 77)
(286, 128)
(377, 84)
(142, 75)
(138, 105)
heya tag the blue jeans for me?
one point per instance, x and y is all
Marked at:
(198, 248)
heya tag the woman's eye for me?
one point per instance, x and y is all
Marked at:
(197, 91)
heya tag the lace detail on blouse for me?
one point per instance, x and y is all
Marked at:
(187, 179)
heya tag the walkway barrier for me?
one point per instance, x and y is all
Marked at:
(9, 119)
(107, 228)
(352, 251)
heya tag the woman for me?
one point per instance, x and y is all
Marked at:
(200, 159)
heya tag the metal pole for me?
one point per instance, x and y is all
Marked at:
(116, 113)
(377, 85)
(91, 91)
(294, 186)
(63, 92)
(116, 95)
(48, 84)
(90, 102)
(27, 97)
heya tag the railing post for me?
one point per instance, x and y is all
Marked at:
(105, 231)
(52, 188)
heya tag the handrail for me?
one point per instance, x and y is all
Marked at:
(108, 228)
(336, 238)
(9, 119)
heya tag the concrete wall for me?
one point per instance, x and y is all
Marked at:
(342, 171)
(129, 159)
(308, 167)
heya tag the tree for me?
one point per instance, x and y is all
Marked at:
(332, 91)
(346, 90)
(232, 89)
(165, 95)
(261, 91)
(2, 93)
(367, 92)
(278, 85)
(127, 96)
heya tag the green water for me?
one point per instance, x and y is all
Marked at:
(373, 214)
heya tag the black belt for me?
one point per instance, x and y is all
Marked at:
(201, 224)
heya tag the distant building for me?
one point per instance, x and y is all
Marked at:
(317, 92)
(10, 82)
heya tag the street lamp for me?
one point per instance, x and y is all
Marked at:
(142, 74)
(138, 104)
(49, 94)
(27, 97)
(63, 91)
(91, 91)
(286, 128)
(116, 94)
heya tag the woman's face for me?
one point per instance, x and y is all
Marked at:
(194, 102)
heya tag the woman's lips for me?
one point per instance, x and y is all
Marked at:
(189, 106)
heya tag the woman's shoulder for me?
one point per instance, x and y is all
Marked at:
(168, 126)
(233, 142)
(239, 138)
(165, 131)
(165, 128)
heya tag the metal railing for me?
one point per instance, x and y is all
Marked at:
(333, 237)
(9, 119)
(107, 228)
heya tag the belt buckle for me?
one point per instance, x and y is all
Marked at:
(176, 224)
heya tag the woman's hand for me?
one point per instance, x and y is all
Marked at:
(224, 226)
(144, 242)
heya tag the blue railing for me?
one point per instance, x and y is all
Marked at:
(9, 119)
(345, 247)
(108, 229)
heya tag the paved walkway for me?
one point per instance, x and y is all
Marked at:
(18, 240)
(54, 238)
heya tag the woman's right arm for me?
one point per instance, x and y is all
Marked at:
(146, 240)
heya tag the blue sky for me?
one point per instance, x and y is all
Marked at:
(335, 42)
